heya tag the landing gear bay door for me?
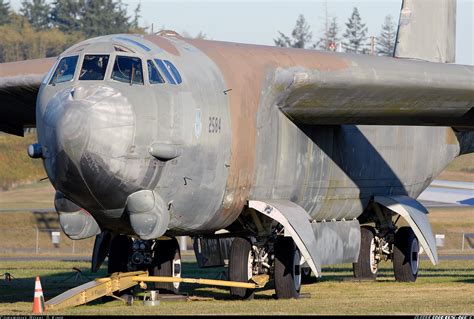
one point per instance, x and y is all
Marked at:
(297, 223)
(417, 217)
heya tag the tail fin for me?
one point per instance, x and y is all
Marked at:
(427, 30)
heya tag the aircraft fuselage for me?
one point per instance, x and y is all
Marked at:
(202, 144)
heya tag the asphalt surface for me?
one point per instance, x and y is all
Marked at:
(448, 194)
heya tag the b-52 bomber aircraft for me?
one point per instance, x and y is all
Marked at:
(278, 160)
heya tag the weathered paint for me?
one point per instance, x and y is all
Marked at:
(99, 134)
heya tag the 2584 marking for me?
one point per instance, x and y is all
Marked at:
(214, 124)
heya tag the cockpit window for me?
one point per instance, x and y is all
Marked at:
(65, 70)
(128, 70)
(153, 74)
(94, 67)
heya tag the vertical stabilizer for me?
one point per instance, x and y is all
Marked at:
(427, 30)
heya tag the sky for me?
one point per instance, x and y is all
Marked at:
(258, 22)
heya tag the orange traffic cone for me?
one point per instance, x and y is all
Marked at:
(38, 303)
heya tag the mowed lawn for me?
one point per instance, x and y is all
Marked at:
(444, 289)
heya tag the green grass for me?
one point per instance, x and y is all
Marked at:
(444, 289)
(464, 163)
(16, 167)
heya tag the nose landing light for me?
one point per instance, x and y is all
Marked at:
(35, 151)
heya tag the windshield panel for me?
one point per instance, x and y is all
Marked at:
(128, 70)
(94, 67)
(65, 70)
(165, 70)
(50, 72)
(153, 74)
(174, 71)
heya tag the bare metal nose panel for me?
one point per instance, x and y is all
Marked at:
(88, 132)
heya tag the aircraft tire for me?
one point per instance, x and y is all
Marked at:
(406, 255)
(240, 263)
(167, 263)
(287, 269)
(120, 250)
(366, 266)
(306, 275)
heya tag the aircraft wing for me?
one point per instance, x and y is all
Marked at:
(19, 85)
(379, 91)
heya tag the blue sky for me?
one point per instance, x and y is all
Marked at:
(258, 22)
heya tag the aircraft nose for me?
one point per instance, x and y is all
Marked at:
(85, 134)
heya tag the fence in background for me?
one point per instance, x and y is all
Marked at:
(51, 241)
(45, 241)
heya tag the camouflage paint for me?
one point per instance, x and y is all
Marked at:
(265, 147)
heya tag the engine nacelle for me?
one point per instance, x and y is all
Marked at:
(76, 222)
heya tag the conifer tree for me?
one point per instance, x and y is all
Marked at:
(36, 12)
(355, 37)
(4, 12)
(93, 17)
(300, 36)
(330, 39)
(387, 37)
(66, 15)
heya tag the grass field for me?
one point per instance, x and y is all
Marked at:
(18, 229)
(445, 289)
(16, 168)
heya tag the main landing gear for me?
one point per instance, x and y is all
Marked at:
(400, 246)
(279, 258)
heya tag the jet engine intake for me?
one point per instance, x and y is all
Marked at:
(149, 217)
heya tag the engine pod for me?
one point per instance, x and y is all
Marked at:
(75, 222)
(149, 217)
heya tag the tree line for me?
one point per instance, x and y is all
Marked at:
(41, 29)
(354, 39)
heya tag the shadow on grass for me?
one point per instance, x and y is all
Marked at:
(22, 289)
(387, 275)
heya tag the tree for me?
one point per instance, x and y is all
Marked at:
(301, 36)
(93, 17)
(355, 35)
(20, 41)
(4, 12)
(387, 37)
(136, 17)
(330, 39)
(101, 17)
(36, 12)
(66, 15)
